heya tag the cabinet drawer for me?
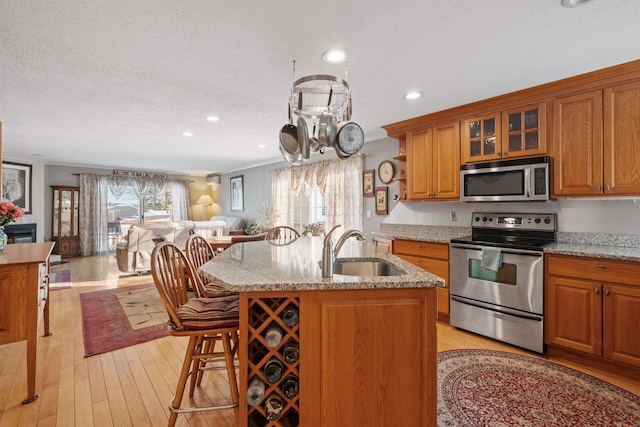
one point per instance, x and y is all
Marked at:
(594, 269)
(421, 249)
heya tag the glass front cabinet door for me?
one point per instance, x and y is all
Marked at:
(518, 132)
(65, 227)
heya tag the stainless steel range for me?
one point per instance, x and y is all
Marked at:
(496, 277)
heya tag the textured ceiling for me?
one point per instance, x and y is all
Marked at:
(114, 83)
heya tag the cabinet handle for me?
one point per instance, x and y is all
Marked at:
(607, 292)
(597, 291)
(598, 187)
(601, 265)
(607, 188)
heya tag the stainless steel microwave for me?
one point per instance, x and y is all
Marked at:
(516, 180)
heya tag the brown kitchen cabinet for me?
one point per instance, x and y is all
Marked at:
(65, 221)
(348, 340)
(515, 132)
(593, 306)
(432, 257)
(433, 163)
(596, 142)
(383, 244)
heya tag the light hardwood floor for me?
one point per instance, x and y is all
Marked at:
(132, 386)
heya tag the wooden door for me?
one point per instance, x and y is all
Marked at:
(622, 140)
(481, 139)
(419, 165)
(621, 329)
(573, 312)
(384, 244)
(374, 358)
(577, 145)
(524, 131)
(445, 161)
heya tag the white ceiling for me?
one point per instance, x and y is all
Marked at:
(113, 83)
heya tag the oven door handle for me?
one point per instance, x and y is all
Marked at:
(497, 310)
(504, 251)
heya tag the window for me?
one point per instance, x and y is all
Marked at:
(306, 210)
(129, 209)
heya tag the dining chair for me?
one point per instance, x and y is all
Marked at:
(282, 234)
(201, 319)
(199, 252)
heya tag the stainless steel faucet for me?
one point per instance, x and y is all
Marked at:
(329, 254)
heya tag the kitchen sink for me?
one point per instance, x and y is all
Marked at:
(366, 268)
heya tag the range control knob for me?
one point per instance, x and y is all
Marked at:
(476, 219)
(537, 220)
(484, 219)
(547, 220)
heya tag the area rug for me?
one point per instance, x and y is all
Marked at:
(493, 388)
(59, 280)
(121, 317)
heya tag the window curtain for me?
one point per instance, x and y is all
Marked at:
(93, 214)
(339, 181)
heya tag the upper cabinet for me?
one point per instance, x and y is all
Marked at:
(433, 163)
(588, 124)
(517, 132)
(596, 142)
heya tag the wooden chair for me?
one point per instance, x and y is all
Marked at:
(198, 253)
(201, 319)
(282, 235)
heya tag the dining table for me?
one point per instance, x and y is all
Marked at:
(219, 242)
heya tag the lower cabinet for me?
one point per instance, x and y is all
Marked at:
(383, 244)
(364, 357)
(433, 257)
(593, 306)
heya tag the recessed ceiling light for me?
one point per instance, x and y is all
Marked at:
(262, 146)
(334, 56)
(187, 134)
(574, 3)
(212, 118)
(412, 95)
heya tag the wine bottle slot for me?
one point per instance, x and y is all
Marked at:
(255, 392)
(290, 386)
(273, 370)
(273, 407)
(290, 317)
(273, 336)
(291, 352)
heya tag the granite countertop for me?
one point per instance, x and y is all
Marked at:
(264, 266)
(423, 233)
(619, 253)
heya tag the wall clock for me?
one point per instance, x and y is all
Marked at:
(386, 171)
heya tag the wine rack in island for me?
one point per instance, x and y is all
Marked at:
(273, 362)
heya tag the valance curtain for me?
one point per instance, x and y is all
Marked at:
(339, 181)
(93, 204)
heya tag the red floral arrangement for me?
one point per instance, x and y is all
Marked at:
(9, 213)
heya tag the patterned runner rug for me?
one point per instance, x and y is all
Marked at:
(121, 317)
(493, 388)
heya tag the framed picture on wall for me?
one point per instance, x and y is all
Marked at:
(16, 184)
(381, 200)
(237, 193)
(368, 182)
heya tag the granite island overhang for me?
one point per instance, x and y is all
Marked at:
(367, 345)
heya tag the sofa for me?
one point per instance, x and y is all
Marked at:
(133, 254)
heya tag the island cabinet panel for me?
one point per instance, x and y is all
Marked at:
(371, 359)
(432, 257)
(593, 306)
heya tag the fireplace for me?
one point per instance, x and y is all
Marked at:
(20, 233)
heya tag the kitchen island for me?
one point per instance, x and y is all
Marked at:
(367, 345)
